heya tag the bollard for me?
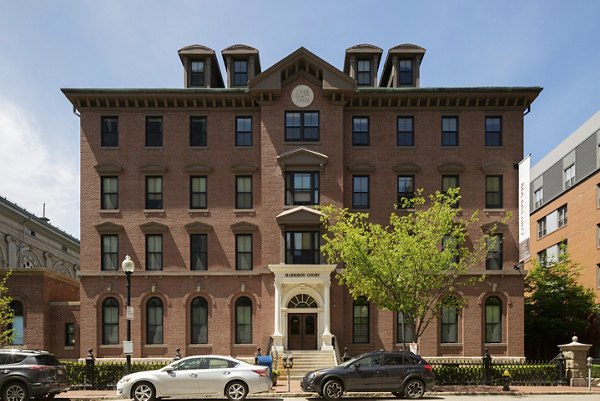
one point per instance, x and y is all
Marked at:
(89, 369)
(506, 380)
(560, 365)
(589, 366)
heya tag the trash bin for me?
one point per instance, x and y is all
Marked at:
(266, 360)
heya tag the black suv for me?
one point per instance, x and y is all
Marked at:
(404, 374)
(28, 374)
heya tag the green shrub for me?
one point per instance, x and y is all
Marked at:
(106, 375)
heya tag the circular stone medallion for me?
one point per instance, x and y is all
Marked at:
(302, 96)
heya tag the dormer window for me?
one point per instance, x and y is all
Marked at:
(405, 69)
(363, 72)
(197, 74)
(240, 72)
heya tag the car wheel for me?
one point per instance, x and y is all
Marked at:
(236, 391)
(414, 389)
(143, 391)
(333, 390)
(15, 391)
(398, 394)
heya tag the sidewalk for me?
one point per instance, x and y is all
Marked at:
(281, 391)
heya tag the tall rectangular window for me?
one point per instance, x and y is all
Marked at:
(541, 227)
(493, 131)
(154, 131)
(302, 126)
(449, 131)
(240, 72)
(493, 192)
(563, 216)
(538, 198)
(302, 247)
(449, 181)
(569, 176)
(405, 329)
(360, 192)
(360, 131)
(405, 72)
(360, 321)
(494, 259)
(598, 275)
(449, 325)
(406, 133)
(109, 131)
(198, 131)
(154, 192)
(406, 189)
(110, 252)
(109, 188)
(301, 188)
(243, 131)
(243, 252)
(154, 252)
(199, 252)
(597, 236)
(198, 194)
(196, 74)
(243, 192)
(363, 72)
(69, 334)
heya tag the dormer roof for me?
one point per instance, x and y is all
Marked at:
(406, 50)
(364, 49)
(197, 51)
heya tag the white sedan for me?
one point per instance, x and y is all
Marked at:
(197, 375)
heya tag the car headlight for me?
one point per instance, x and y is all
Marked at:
(314, 375)
(125, 379)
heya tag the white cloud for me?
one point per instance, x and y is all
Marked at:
(32, 174)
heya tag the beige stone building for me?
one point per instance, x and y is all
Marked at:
(43, 285)
(210, 189)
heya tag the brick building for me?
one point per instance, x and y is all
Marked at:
(565, 202)
(210, 189)
(43, 285)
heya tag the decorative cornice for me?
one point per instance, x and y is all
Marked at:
(108, 227)
(198, 168)
(244, 168)
(198, 227)
(451, 167)
(360, 167)
(243, 227)
(494, 167)
(153, 228)
(406, 168)
(108, 168)
(153, 168)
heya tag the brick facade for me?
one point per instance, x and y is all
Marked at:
(266, 98)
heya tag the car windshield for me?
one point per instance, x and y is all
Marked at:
(351, 361)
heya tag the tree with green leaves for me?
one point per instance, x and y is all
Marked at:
(6, 312)
(556, 306)
(414, 264)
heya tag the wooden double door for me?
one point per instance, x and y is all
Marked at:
(302, 331)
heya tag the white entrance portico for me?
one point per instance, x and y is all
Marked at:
(302, 290)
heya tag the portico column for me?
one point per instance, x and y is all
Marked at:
(277, 336)
(327, 336)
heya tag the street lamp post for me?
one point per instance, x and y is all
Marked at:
(128, 267)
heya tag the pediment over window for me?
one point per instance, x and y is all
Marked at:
(154, 168)
(494, 167)
(360, 167)
(108, 168)
(243, 227)
(406, 168)
(108, 227)
(198, 168)
(300, 215)
(302, 158)
(500, 226)
(246, 168)
(198, 227)
(451, 167)
(153, 227)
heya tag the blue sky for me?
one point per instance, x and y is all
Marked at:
(48, 45)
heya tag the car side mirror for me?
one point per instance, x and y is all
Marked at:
(357, 365)
(168, 369)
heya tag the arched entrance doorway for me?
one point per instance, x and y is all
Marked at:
(302, 323)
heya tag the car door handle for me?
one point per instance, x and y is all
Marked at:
(193, 375)
(226, 372)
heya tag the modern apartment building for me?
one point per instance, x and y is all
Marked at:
(211, 188)
(44, 261)
(565, 202)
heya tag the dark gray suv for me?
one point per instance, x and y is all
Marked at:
(404, 374)
(28, 374)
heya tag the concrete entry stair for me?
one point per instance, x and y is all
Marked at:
(305, 361)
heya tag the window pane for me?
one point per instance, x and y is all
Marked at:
(405, 132)
(360, 322)
(154, 131)
(110, 321)
(243, 321)
(243, 192)
(198, 131)
(199, 318)
(109, 131)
